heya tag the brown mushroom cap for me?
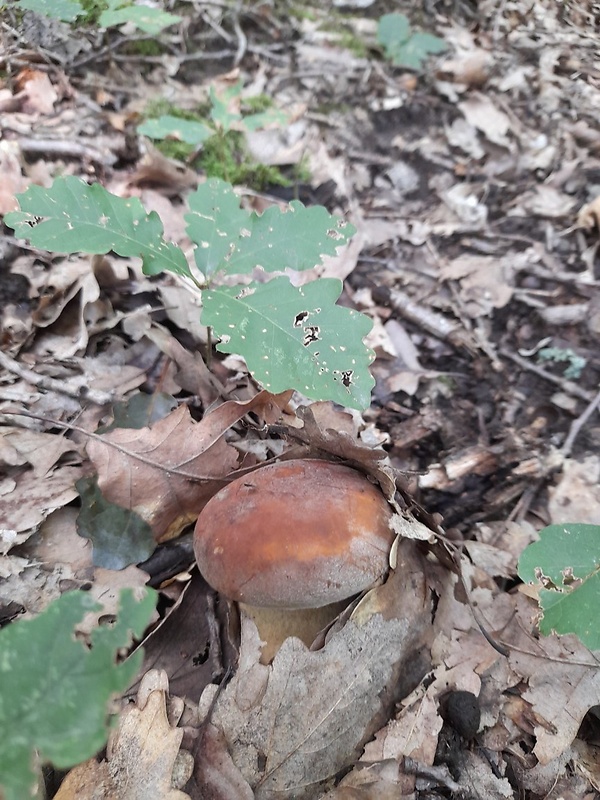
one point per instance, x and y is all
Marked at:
(296, 534)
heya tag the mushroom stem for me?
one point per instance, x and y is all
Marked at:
(277, 624)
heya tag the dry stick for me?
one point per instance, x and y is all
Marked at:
(567, 386)
(436, 324)
(52, 385)
(578, 424)
(242, 40)
(63, 148)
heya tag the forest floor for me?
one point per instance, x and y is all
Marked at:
(474, 186)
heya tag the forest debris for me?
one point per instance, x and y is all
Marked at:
(141, 756)
(294, 724)
(563, 683)
(576, 497)
(167, 472)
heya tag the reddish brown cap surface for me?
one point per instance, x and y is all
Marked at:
(297, 534)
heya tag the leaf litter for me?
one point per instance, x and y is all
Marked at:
(473, 186)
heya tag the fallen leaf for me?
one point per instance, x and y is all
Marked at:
(166, 473)
(293, 725)
(563, 683)
(141, 754)
(481, 112)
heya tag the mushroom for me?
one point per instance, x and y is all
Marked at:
(291, 541)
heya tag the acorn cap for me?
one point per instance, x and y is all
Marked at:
(296, 534)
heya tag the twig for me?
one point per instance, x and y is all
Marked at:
(578, 424)
(430, 321)
(52, 385)
(567, 386)
(65, 149)
(242, 40)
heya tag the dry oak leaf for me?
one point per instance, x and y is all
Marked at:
(167, 472)
(28, 500)
(291, 726)
(563, 680)
(141, 754)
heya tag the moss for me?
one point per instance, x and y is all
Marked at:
(159, 107)
(93, 9)
(225, 156)
(171, 148)
(144, 47)
(350, 41)
(257, 104)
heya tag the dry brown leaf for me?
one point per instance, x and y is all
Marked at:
(19, 446)
(293, 725)
(485, 282)
(588, 216)
(167, 473)
(481, 112)
(11, 180)
(28, 500)
(576, 497)
(41, 94)
(216, 773)
(563, 680)
(141, 754)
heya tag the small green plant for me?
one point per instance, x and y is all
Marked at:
(223, 153)
(105, 13)
(291, 337)
(404, 46)
(565, 566)
(55, 691)
(575, 363)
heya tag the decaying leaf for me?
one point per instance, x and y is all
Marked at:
(563, 684)
(141, 754)
(167, 472)
(293, 725)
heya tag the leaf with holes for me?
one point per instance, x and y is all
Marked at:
(236, 241)
(73, 217)
(55, 691)
(295, 337)
(565, 565)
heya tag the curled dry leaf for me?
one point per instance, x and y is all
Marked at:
(293, 725)
(167, 472)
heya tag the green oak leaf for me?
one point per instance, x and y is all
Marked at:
(295, 337)
(55, 691)
(74, 217)
(63, 10)
(565, 563)
(237, 241)
(170, 127)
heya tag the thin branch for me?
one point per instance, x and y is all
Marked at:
(567, 386)
(52, 385)
(124, 450)
(578, 424)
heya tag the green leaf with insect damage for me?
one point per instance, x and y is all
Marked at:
(237, 241)
(73, 217)
(295, 337)
(565, 566)
(55, 690)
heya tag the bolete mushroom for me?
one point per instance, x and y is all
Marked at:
(291, 541)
